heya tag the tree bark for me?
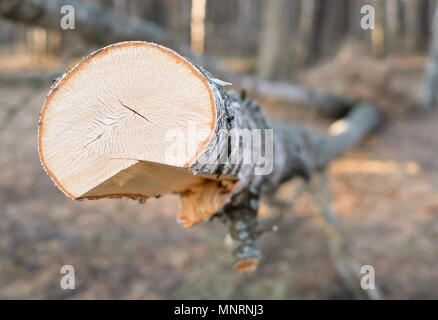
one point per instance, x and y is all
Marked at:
(98, 25)
(431, 70)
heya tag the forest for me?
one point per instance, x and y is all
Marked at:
(235, 149)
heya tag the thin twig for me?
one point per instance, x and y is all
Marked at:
(345, 261)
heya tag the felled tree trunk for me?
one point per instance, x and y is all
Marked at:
(138, 120)
(98, 25)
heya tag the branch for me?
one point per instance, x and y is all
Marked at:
(346, 263)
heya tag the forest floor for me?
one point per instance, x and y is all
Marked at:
(385, 194)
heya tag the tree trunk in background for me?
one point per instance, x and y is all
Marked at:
(247, 25)
(422, 28)
(431, 74)
(410, 17)
(335, 25)
(178, 15)
(401, 9)
(417, 24)
(354, 29)
(315, 34)
(275, 44)
(394, 23)
(379, 34)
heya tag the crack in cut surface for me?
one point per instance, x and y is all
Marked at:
(92, 141)
(137, 113)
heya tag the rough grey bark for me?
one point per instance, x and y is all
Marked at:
(297, 152)
(431, 72)
(98, 25)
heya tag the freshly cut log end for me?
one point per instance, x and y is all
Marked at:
(128, 120)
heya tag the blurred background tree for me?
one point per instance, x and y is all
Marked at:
(274, 37)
